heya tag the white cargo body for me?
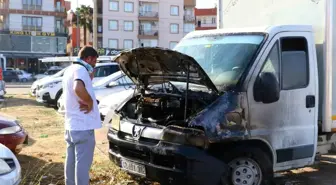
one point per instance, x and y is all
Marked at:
(255, 13)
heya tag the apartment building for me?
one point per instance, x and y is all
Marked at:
(206, 18)
(31, 29)
(134, 23)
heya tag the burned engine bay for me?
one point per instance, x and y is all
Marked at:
(163, 105)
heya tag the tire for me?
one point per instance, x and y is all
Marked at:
(58, 95)
(24, 80)
(249, 166)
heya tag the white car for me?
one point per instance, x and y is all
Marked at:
(24, 76)
(51, 90)
(115, 82)
(49, 72)
(112, 101)
(39, 83)
(10, 169)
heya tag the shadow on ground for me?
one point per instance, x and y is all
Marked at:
(10, 101)
(37, 171)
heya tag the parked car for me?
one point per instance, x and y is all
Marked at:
(51, 90)
(41, 81)
(2, 86)
(24, 76)
(10, 168)
(12, 134)
(112, 101)
(115, 82)
(49, 72)
(10, 76)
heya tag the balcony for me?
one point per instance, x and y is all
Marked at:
(189, 18)
(31, 7)
(4, 5)
(59, 9)
(148, 15)
(148, 33)
(31, 28)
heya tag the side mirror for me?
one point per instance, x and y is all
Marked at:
(112, 84)
(266, 88)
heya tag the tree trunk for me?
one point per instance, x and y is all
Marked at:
(84, 34)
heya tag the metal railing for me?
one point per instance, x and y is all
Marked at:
(148, 14)
(189, 18)
(59, 9)
(31, 7)
(151, 32)
(31, 28)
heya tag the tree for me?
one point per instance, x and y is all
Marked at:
(84, 14)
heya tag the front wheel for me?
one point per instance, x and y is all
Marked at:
(249, 166)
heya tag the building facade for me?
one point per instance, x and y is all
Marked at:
(206, 18)
(124, 24)
(31, 29)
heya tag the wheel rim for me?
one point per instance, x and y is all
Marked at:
(245, 171)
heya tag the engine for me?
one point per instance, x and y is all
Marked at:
(165, 108)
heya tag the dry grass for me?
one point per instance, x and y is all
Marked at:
(42, 160)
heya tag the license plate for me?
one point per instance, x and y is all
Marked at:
(133, 167)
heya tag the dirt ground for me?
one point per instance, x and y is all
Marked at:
(42, 159)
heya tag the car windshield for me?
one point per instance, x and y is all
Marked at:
(59, 73)
(223, 57)
(108, 79)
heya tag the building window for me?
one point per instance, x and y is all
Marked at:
(148, 43)
(128, 44)
(172, 44)
(128, 7)
(59, 26)
(189, 28)
(113, 43)
(174, 10)
(174, 28)
(114, 6)
(32, 4)
(204, 21)
(31, 23)
(113, 25)
(128, 25)
(213, 20)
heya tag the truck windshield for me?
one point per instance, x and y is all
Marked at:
(223, 57)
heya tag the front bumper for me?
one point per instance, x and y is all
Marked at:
(14, 141)
(168, 163)
(44, 97)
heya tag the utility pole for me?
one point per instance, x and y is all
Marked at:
(94, 24)
(77, 28)
(219, 14)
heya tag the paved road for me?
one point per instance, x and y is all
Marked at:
(17, 90)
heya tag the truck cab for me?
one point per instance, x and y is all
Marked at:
(256, 99)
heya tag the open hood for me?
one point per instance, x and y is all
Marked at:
(157, 65)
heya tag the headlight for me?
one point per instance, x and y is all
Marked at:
(10, 130)
(4, 168)
(115, 124)
(185, 136)
(50, 85)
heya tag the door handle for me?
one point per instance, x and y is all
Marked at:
(310, 101)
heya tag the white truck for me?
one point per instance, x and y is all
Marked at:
(269, 104)
(296, 119)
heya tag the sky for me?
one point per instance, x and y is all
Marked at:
(199, 3)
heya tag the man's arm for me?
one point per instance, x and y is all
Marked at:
(82, 93)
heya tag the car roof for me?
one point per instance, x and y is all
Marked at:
(106, 64)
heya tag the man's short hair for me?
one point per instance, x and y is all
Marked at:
(87, 51)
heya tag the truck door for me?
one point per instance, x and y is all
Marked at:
(287, 123)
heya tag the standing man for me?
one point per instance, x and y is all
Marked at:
(81, 117)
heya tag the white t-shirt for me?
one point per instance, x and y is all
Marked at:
(74, 118)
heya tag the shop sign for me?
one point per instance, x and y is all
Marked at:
(32, 33)
(101, 51)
